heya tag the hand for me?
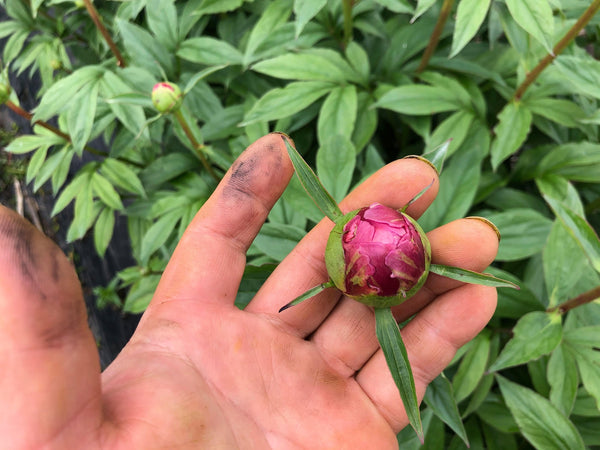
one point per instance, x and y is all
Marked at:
(200, 373)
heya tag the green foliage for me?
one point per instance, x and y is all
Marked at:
(519, 135)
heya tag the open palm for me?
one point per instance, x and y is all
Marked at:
(200, 373)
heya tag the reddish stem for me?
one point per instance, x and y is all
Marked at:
(435, 36)
(104, 32)
(582, 299)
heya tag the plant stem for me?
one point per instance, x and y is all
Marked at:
(347, 8)
(195, 144)
(105, 34)
(435, 36)
(558, 48)
(582, 299)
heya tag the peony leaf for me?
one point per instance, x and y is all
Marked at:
(312, 184)
(468, 276)
(388, 335)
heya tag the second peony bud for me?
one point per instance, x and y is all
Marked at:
(378, 256)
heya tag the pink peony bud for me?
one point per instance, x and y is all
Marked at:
(378, 256)
(166, 97)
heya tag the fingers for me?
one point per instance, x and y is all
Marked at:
(431, 340)
(347, 337)
(209, 261)
(394, 185)
(51, 370)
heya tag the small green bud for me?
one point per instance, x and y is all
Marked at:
(166, 97)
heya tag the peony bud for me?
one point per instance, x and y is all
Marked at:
(166, 97)
(378, 256)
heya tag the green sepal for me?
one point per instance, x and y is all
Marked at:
(308, 294)
(388, 335)
(468, 276)
(312, 185)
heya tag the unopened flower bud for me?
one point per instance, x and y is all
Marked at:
(166, 97)
(378, 256)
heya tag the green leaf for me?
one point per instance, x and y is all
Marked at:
(397, 6)
(201, 75)
(524, 233)
(468, 276)
(472, 367)
(26, 144)
(278, 240)
(560, 189)
(564, 264)
(338, 113)
(81, 115)
(158, 234)
(103, 230)
(439, 396)
(388, 335)
(422, 7)
(535, 17)
(81, 180)
(275, 14)
(563, 112)
(140, 294)
(563, 379)
(580, 229)
(470, 14)
(514, 123)
(162, 22)
(284, 102)
(542, 424)
(85, 213)
(35, 163)
(336, 159)
(359, 59)
(312, 185)
(209, 51)
(130, 115)
(317, 64)
(536, 333)
(121, 175)
(456, 127)
(583, 344)
(106, 192)
(305, 10)
(50, 166)
(61, 93)
(582, 73)
(144, 50)
(577, 161)
(418, 99)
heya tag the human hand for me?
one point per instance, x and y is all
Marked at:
(200, 373)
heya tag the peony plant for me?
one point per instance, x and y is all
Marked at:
(381, 257)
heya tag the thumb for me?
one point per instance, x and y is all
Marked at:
(50, 373)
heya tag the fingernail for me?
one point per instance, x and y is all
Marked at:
(488, 223)
(425, 160)
(285, 136)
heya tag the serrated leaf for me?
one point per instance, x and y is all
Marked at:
(209, 51)
(388, 335)
(103, 230)
(106, 192)
(418, 99)
(313, 185)
(535, 17)
(540, 421)
(580, 229)
(468, 276)
(284, 102)
(514, 123)
(470, 14)
(440, 397)
(536, 333)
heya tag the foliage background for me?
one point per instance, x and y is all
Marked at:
(514, 85)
